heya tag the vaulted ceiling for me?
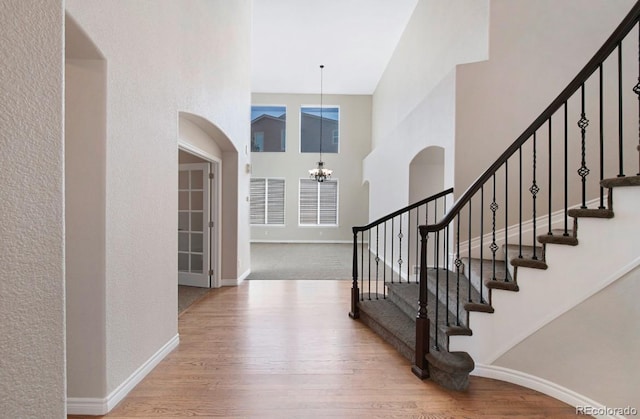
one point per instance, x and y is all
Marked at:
(353, 39)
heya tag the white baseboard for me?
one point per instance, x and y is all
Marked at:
(237, 281)
(97, 406)
(540, 384)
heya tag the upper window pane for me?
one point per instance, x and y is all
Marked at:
(310, 129)
(268, 125)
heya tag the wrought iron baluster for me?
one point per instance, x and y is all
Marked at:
(583, 171)
(458, 263)
(384, 266)
(437, 307)
(435, 220)
(446, 267)
(377, 260)
(601, 84)
(620, 110)
(506, 218)
(481, 243)
(468, 268)
(534, 189)
(400, 236)
(408, 247)
(417, 244)
(369, 261)
(520, 204)
(636, 90)
(392, 246)
(494, 246)
(549, 232)
(566, 171)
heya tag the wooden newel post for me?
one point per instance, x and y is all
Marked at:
(420, 366)
(355, 293)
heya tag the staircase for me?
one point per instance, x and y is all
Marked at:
(451, 288)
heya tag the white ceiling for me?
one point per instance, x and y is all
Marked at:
(353, 39)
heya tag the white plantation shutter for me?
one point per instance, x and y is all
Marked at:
(318, 202)
(275, 201)
(308, 202)
(328, 202)
(267, 201)
(257, 207)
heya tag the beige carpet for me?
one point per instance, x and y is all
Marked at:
(301, 261)
(189, 295)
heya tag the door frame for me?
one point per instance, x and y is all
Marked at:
(215, 207)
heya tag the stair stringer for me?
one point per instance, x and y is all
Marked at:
(575, 273)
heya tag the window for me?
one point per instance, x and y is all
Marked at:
(267, 201)
(268, 127)
(310, 129)
(318, 202)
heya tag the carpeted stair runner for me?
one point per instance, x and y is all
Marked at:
(393, 316)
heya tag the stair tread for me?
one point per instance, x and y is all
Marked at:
(405, 296)
(558, 236)
(621, 181)
(480, 307)
(457, 331)
(590, 213)
(513, 251)
(474, 267)
(502, 285)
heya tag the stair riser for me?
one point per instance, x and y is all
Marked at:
(412, 311)
(403, 348)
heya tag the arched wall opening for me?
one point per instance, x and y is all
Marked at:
(426, 178)
(199, 137)
(426, 174)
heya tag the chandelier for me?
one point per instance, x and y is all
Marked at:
(320, 174)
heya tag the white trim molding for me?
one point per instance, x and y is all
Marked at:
(98, 406)
(236, 282)
(540, 384)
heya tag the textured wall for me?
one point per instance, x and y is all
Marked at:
(165, 57)
(32, 344)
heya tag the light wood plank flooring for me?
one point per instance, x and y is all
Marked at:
(287, 349)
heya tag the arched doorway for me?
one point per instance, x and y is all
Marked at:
(206, 153)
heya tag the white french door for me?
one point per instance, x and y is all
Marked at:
(194, 217)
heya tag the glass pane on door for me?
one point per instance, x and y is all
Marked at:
(193, 223)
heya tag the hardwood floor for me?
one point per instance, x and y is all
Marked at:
(287, 349)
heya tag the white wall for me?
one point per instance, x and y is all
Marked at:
(414, 103)
(32, 321)
(355, 143)
(165, 57)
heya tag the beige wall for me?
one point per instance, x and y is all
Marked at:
(537, 48)
(32, 320)
(591, 349)
(85, 145)
(355, 143)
